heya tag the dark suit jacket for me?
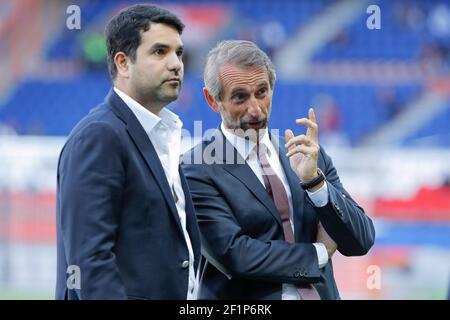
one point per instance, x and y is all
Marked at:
(116, 216)
(242, 235)
(448, 293)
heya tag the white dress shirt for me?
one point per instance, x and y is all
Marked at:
(247, 150)
(164, 131)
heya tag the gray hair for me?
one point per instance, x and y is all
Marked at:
(239, 52)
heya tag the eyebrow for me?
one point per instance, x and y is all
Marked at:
(159, 45)
(261, 84)
(238, 90)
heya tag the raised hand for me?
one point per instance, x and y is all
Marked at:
(303, 150)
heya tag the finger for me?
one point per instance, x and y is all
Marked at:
(307, 122)
(305, 150)
(312, 115)
(302, 149)
(301, 139)
(288, 135)
(312, 130)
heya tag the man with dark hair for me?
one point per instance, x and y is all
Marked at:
(126, 226)
(271, 212)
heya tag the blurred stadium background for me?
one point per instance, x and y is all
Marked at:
(382, 96)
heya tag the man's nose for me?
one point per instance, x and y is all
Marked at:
(174, 62)
(254, 109)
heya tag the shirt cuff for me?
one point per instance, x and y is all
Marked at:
(320, 196)
(322, 254)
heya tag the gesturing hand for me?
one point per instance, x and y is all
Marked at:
(303, 150)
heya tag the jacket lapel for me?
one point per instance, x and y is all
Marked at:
(238, 167)
(145, 147)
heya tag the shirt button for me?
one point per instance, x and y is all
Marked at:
(185, 264)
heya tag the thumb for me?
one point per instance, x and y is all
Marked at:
(288, 135)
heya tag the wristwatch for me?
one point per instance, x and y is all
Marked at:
(314, 182)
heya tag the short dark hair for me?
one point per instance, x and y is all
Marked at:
(123, 31)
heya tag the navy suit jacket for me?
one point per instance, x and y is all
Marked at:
(116, 216)
(242, 234)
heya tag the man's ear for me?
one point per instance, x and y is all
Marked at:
(122, 63)
(211, 100)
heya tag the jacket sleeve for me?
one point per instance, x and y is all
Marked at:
(90, 186)
(343, 219)
(236, 254)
